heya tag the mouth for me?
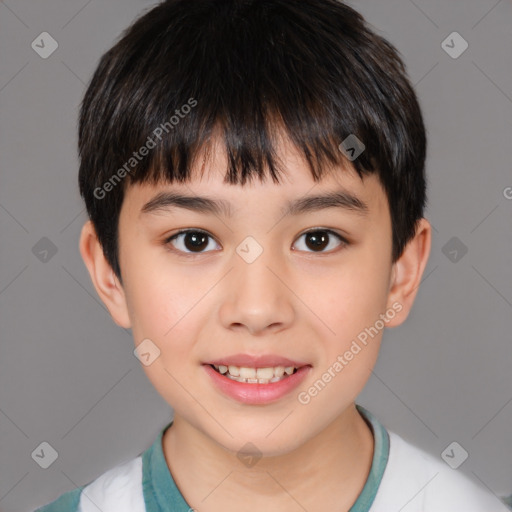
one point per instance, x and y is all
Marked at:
(258, 383)
(250, 375)
(256, 379)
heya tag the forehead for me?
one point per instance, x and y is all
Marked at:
(297, 192)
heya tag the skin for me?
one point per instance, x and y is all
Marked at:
(293, 301)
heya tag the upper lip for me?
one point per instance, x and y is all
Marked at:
(253, 361)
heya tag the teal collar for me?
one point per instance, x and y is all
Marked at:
(162, 495)
(379, 462)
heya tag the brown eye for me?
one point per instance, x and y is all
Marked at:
(190, 241)
(317, 240)
(194, 241)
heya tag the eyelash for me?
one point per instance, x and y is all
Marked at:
(167, 241)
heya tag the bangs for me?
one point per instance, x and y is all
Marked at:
(251, 150)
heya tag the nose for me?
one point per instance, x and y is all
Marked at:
(257, 299)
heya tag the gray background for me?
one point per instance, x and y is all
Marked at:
(68, 375)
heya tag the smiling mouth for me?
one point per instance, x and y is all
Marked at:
(255, 375)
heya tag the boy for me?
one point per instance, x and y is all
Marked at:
(257, 306)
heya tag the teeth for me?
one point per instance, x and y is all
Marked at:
(255, 375)
(247, 373)
(234, 370)
(265, 373)
(279, 371)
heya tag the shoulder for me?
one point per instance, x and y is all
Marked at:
(119, 488)
(416, 481)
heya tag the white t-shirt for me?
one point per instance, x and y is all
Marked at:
(402, 478)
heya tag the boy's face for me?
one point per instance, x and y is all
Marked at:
(305, 298)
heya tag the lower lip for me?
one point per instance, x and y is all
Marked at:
(255, 394)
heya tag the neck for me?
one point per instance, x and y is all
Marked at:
(327, 472)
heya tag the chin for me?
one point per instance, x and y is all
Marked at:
(265, 440)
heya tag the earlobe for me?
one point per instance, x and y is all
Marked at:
(102, 276)
(408, 270)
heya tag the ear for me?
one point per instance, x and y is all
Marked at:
(407, 271)
(107, 285)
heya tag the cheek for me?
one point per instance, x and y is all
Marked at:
(166, 312)
(354, 297)
(351, 308)
(162, 303)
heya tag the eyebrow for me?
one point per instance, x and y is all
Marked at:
(166, 201)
